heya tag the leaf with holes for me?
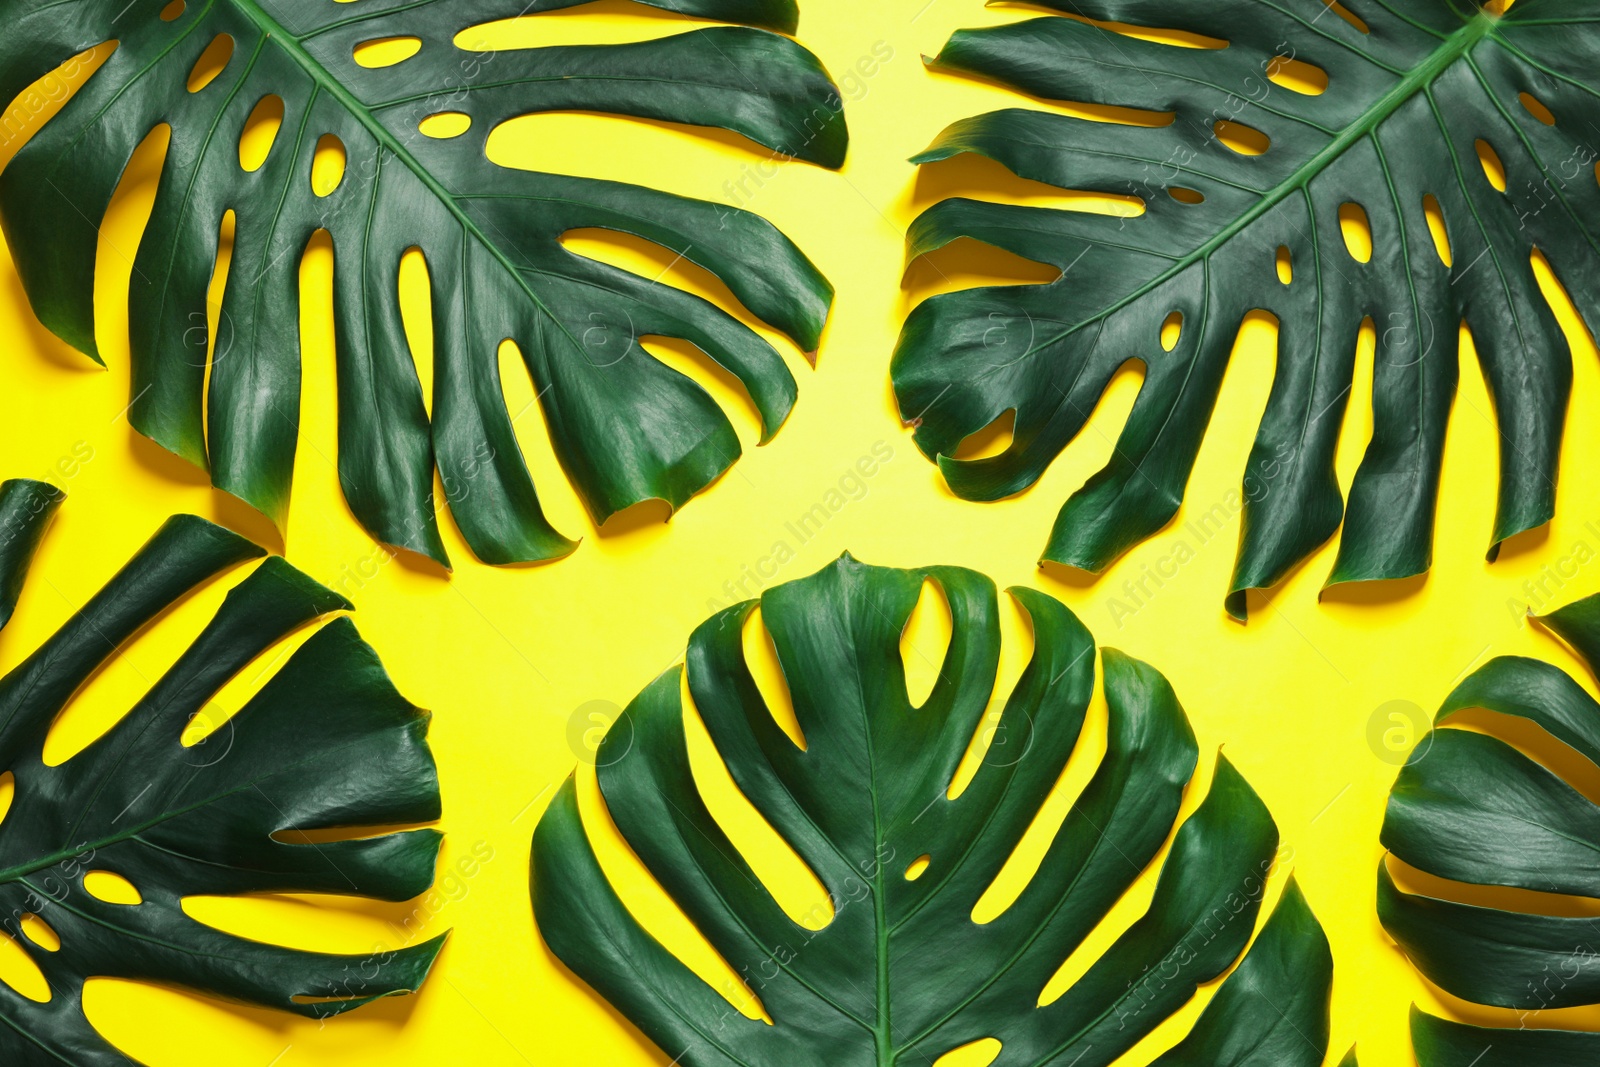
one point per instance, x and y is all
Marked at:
(624, 425)
(1471, 808)
(325, 743)
(1372, 116)
(902, 972)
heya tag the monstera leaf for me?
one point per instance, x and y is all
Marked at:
(326, 743)
(901, 972)
(1425, 104)
(1471, 808)
(624, 425)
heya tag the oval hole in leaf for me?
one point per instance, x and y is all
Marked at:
(1357, 230)
(111, 888)
(41, 933)
(386, 51)
(1285, 264)
(8, 793)
(173, 10)
(18, 971)
(1171, 330)
(918, 865)
(445, 125)
(795, 888)
(1493, 168)
(1348, 15)
(260, 132)
(761, 656)
(327, 165)
(211, 63)
(990, 441)
(1297, 76)
(1245, 140)
(414, 290)
(1436, 226)
(979, 1053)
(925, 641)
(1537, 109)
(1185, 195)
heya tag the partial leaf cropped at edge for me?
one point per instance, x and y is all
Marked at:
(1443, 1043)
(327, 742)
(901, 973)
(1409, 97)
(624, 425)
(1471, 808)
(26, 507)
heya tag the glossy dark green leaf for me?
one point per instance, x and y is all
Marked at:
(26, 507)
(1442, 1043)
(1504, 958)
(1409, 96)
(901, 972)
(625, 426)
(1578, 624)
(327, 742)
(1472, 808)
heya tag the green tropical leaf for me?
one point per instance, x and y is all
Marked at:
(327, 742)
(901, 973)
(1410, 94)
(1472, 808)
(1443, 1043)
(624, 425)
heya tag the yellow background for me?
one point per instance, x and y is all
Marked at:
(509, 660)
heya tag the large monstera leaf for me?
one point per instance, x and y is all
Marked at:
(1471, 808)
(1411, 94)
(625, 426)
(902, 973)
(326, 743)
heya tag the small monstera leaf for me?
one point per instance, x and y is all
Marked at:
(326, 743)
(624, 425)
(902, 973)
(1414, 91)
(1471, 808)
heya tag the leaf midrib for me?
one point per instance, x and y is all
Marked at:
(1421, 76)
(292, 47)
